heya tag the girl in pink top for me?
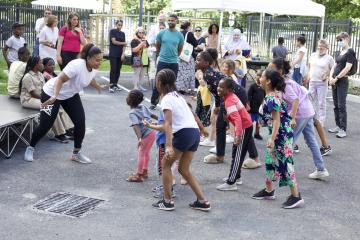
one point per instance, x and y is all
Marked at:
(237, 115)
(71, 37)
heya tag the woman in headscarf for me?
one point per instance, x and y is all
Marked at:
(235, 46)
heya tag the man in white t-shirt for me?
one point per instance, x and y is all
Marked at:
(40, 23)
(14, 43)
(320, 64)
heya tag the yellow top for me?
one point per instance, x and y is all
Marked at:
(205, 95)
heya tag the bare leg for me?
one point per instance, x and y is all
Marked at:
(294, 191)
(321, 133)
(213, 118)
(167, 175)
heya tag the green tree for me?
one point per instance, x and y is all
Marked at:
(153, 6)
(341, 9)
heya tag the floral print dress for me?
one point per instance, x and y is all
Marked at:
(279, 161)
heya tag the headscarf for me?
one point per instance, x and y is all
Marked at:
(236, 44)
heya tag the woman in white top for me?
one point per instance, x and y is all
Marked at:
(182, 141)
(299, 60)
(235, 46)
(64, 90)
(48, 37)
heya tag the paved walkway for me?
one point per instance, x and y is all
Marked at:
(331, 211)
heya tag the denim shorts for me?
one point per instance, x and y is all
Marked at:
(186, 139)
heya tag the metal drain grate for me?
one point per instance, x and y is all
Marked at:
(67, 204)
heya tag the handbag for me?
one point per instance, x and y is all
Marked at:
(186, 51)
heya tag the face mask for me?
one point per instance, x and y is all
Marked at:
(341, 44)
(322, 53)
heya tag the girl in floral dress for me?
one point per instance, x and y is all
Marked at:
(279, 161)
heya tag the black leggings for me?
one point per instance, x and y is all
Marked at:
(115, 68)
(73, 107)
(67, 57)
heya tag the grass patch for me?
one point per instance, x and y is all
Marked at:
(354, 90)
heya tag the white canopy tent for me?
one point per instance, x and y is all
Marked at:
(273, 7)
(95, 5)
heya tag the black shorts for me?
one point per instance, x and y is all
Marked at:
(186, 139)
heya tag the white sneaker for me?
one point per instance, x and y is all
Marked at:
(213, 150)
(227, 187)
(341, 134)
(238, 181)
(79, 157)
(319, 174)
(207, 143)
(334, 129)
(111, 90)
(229, 139)
(29, 154)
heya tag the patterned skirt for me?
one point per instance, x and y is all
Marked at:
(186, 75)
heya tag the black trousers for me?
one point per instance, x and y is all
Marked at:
(339, 93)
(160, 66)
(238, 155)
(115, 68)
(221, 126)
(73, 107)
(67, 57)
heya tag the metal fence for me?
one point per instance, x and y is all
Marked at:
(27, 14)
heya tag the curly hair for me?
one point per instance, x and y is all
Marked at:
(229, 83)
(210, 28)
(135, 97)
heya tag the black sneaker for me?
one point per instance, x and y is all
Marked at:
(263, 194)
(61, 138)
(200, 206)
(293, 202)
(325, 150)
(296, 149)
(258, 136)
(69, 134)
(152, 107)
(162, 205)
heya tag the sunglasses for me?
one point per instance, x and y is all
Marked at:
(197, 30)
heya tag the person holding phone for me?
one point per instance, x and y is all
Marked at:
(71, 37)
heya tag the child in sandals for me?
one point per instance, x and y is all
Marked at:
(145, 135)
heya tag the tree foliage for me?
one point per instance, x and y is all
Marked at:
(341, 9)
(152, 6)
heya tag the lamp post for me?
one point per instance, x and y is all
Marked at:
(140, 13)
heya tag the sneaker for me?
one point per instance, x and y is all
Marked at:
(227, 187)
(258, 136)
(154, 189)
(207, 143)
(263, 194)
(152, 107)
(229, 139)
(141, 88)
(325, 150)
(200, 206)
(238, 181)
(319, 174)
(296, 149)
(213, 150)
(162, 205)
(79, 157)
(293, 202)
(159, 192)
(334, 129)
(29, 154)
(111, 90)
(341, 134)
(117, 88)
(61, 138)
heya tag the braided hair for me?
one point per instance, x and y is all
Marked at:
(166, 78)
(31, 63)
(215, 55)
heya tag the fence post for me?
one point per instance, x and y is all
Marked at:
(269, 36)
(315, 35)
(350, 27)
(250, 30)
(17, 12)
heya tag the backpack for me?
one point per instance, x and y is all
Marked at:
(354, 67)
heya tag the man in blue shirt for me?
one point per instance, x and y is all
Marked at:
(169, 44)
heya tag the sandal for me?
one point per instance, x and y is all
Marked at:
(135, 178)
(211, 159)
(145, 174)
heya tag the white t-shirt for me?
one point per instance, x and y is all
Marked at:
(14, 44)
(48, 34)
(320, 67)
(79, 76)
(182, 116)
(39, 25)
(296, 56)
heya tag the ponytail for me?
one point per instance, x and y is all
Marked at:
(31, 63)
(89, 50)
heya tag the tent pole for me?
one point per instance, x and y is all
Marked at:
(220, 32)
(322, 27)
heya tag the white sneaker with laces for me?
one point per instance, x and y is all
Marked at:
(29, 154)
(207, 143)
(334, 129)
(341, 134)
(227, 187)
(80, 158)
(238, 181)
(229, 139)
(319, 174)
(213, 150)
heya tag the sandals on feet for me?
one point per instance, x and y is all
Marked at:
(135, 178)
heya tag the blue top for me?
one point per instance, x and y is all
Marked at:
(169, 45)
(136, 116)
(160, 136)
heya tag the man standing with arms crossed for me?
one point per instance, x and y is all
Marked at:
(169, 44)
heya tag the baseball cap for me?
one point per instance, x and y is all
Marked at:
(342, 35)
(16, 25)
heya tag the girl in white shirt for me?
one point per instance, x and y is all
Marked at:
(182, 141)
(64, 90)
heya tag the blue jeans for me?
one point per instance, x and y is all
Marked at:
(36, 48)
(306, 126)
(297, 77)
